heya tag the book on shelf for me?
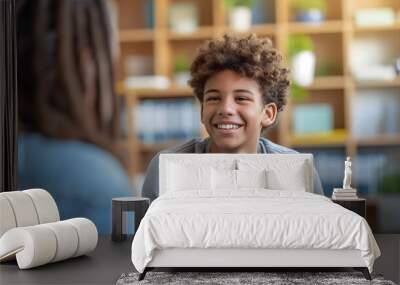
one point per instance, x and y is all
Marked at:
(335, 197)
(149, 14)
(344, 191)
(376, 112)
(343, 194)
(158, 121)
(312, 118)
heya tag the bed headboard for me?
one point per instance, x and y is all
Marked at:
(282, 165)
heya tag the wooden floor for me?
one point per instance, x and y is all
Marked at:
(110, 260)
(389, 262)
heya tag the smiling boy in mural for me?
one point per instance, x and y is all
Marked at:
(242, 86)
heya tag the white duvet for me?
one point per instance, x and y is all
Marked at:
(252, 218)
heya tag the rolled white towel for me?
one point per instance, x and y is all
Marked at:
(40, 244)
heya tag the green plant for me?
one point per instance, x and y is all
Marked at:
(238, 3)
(298, 43)
(181, 64)
(298, 93)
(327, 68)
(303, 5)
(390, 184)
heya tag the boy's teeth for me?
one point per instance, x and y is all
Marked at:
(227, 126)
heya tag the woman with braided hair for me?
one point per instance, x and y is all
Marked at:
(68, 117)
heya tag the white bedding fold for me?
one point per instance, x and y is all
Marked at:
(253, 218)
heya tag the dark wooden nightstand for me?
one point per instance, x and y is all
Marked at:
(138, 205)
(358, 205)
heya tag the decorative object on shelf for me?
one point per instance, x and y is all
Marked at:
(138, 65)
(312, 118)
(147, 82)
(239, 14)
(183, 17)
(31, 231)
(309, 11)
(347, 174)
(181, 70)
(383, 16)
(347, 192)
(302, 59)
(369, 72)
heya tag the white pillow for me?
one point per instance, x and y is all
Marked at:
(224, 179)
(182, 177)
(251, 178)
(293, 180)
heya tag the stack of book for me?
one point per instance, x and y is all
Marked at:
(344, 194)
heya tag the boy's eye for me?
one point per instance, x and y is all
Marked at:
(212, 98)
(242, 98)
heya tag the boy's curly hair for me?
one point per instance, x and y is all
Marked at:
(249, 56)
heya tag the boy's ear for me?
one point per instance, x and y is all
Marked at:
(269, 115)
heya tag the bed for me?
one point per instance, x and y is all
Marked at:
(247, 210)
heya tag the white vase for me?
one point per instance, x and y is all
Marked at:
(181, 78)
(303, 68)
(240, 18)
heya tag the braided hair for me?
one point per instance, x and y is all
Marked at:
(65, 71)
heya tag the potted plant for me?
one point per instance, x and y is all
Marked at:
(239, 14)
(312, 11)
(302, 59)
(181, 70)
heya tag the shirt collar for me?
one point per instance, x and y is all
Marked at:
(260, 146)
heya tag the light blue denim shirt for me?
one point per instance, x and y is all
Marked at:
(81, 177)
(150, 186)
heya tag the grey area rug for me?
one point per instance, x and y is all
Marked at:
(273, 278)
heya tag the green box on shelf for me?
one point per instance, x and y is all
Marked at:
(312, 118)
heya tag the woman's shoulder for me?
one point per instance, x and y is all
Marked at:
(72, 159)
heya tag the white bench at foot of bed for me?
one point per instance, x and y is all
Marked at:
(253, 258)
(212, 257)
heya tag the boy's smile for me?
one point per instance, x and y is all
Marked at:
(233, 113)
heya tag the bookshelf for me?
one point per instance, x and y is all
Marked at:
(332, 39)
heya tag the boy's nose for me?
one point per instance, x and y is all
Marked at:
(226, 107)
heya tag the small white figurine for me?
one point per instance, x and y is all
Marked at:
(347, 173)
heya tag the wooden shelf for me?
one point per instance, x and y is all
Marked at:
(335, 138)
(373, 29)
(327, 83)
(379, 140)
(322, 28)
(136, 35)
(333, 39)
(378, 83)
(261, 30)
(201, 33)
(172, 92)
